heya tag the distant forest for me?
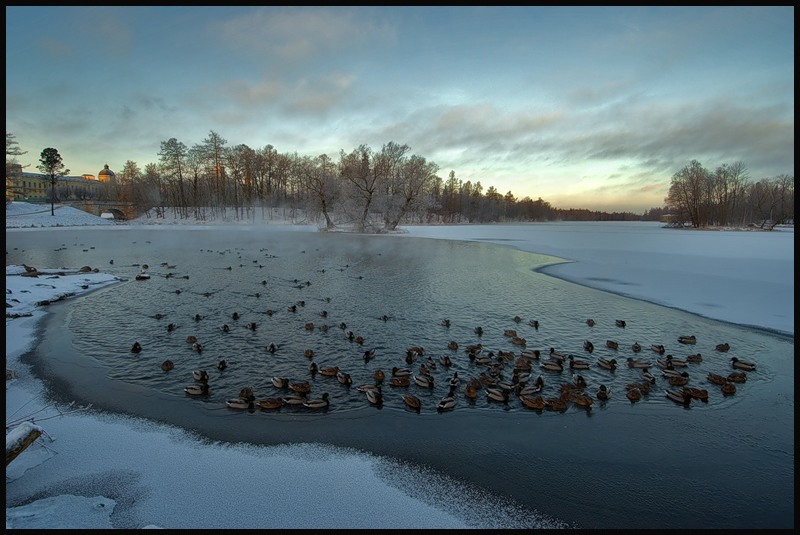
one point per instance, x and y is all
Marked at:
(376, 191)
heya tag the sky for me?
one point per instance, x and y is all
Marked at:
(583, 106)
(763, 295)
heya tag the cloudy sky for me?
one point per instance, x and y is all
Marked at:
(585, 107)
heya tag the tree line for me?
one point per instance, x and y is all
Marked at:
(376, 190)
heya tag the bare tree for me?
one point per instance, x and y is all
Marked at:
(688, 194)
(173, 156)
(415, 176)
(356, 170)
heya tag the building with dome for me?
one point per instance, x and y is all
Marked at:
(106, 175)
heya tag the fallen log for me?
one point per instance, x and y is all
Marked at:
(20, 438)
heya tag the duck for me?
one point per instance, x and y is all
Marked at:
(471, 390)
(534, 324)
(197, 346)
(552, 366)
(272, 348)
(252, 326)
(724, 347)
(240, 403)
(697, 357)
(737, 377)
(379, 376)
(678, 396)
(634, 394)
(588, 346)
(696, 393)
(558, 404)
(554, 355)
(728, 388)
(446, 323)
(295, 399)
(329, 371)
(375, 397)
(581, 400)
(677, 380)
(203, 389)
(301, 387)
(609, 365)
(400, 380)
(636, 347)
(510, 332)
(447, 403)
(677, 363)
(235, 316)
(530, 354)
(620, 323)
(674, 373)
(222, 364)
(344, 378)
(425, 381)
(313, 368)
(452, 344)
(171, 327)
(612, 344)
(136, 348)
(484, 360)
(401, 372)
(167, 365)
(445, 361)
(658, 348)
(412, 402)
(478, 330)
(578, 381)
(225, 328)
(270, 403)
(369, 355)
(649, 377)
(280, 382)
(603, 393)
(308, 353)
(200, 375)
(368, 386)
(191, 339)
(577, 364)
(518, 340)
(309, 326)
(740, 364)
(247, 393)
(359, 340)
(590, 322)
(716, 379)
(633, 363)
(320, 403)
(532, 402)
(497, 394)
(522, 364)
(454, 380)
(690, 339)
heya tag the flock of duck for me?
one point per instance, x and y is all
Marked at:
(499, 376)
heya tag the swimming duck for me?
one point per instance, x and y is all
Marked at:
(400, 380)
(588, 346)
(412, 402)
(308, 353)
(401, 372)
(136, 348)
(280, 382)
(696, 393)
(534, 324)
(369, 355)
(522, 364)
(454, 380)
(167, 365)
(634, 394)
(321, 403)
(471, 390)
(379, 376)
(716, 379)
(292, 308)
(171, 327)
(221, 365)
(200, 375)
(742, 364)
(557, 356)
(313, 368)
(240, 403)
(581, 400)
(723, 347)
(558, 404)
(510, 332)
(649, 377)
(375, 397)
(447, 403)
(532, 402)
(590, 322)
(636, 347)
(678, 397)
(612, 344)
(446, 323)
(677, 380)
(445, 361)
(309, 326)
(252, 326)
(658, 348)
(578, 381)
(452, 344)
(368, 386)
(620, 323)
(668, 372)
(246, 393)
(272, 348)
(609, 365)
(197, 346)
(203, 389)
(359, 340)
(425, 381)
(603, 393)
(329, 371)
(497, 394)
(518, 340)
(295, 399)
(302, 387)
(576, 364)
(225, 328)
(270, 403)
(344, 378)
(484, 360)
(235, 315)
(633, 363)
(473, 350)
(552, 366)
(697, 357)
(677, 363)
(737, 377)
(728, 388)
(530, 354)
(691, 339)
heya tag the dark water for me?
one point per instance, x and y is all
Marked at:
(726, 463)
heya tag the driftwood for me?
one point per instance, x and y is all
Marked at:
(33, 433)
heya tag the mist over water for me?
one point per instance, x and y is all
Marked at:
(631, 455)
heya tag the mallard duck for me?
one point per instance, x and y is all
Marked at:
(400, 380)
(270, 403)
(446, 323)
(697, 357)
(554, 355)
(497, 394)
(658, 348)
(678, 397)
(309, 326)
(728, 388)
(677, 380)
(225, 328)
(522, 364)
(633, 363)
(610, 365)
(530, 354)
(240, 403)
(222, 364)
(320, 403)
(578, 381)
(696, 393)
(742, 364)
(445, 361)
(620, 323)
(379, 376)
(691, 339)
(510, 332)
(344, 378)
(412, 402)
(272, 348)
(191, 339)
(716, 379)
(723, 347)
(252, 326)
(295, 399)
(737, 377)
(136, 348)
(280, 382)
(581, 400)
(603, 393)
(452, 344)
(369, 354)
(667, 372)
(375, 397)
(235, 316)
(167, 365)
(478, 331)
(649, 377)
(313, 368)
(576, 364)
(203, 389)
(677, 363)
(558, 404)
(532, 402)
(518, 340)
(401, 372)
(197, 346)
(359, 340)
(634, 394)
(588, 346)
(309, 353)
(329, 371)
(483, 360)
(171, 327)
(636, 347)
(447, 403)
(590, 322)
(425, 381)
(552, 366)
(612, 344)
(247, 393)
(473, 350)
(291, 308)
(302, 387)
(534, 324)
(455, 380)
(200, 375)
(368, 386)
